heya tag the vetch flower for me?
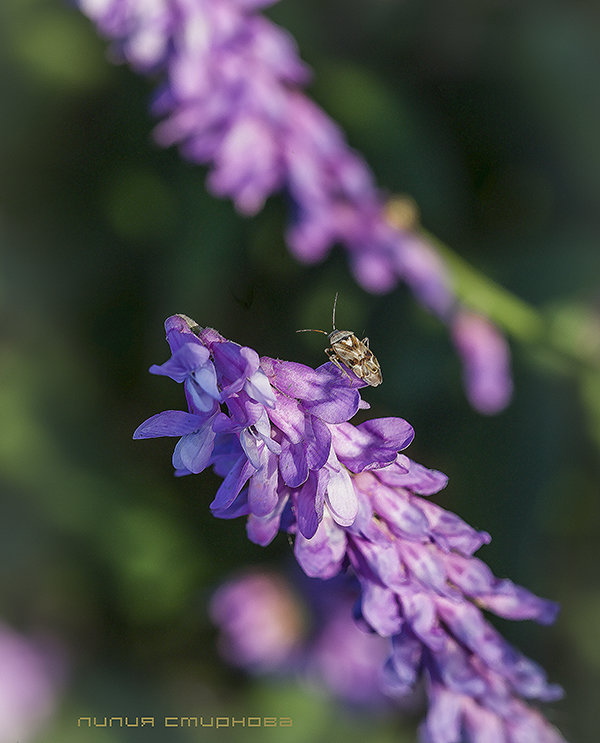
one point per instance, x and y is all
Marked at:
(300, 628)
(260, 621)
(231, 98)
(280, 435)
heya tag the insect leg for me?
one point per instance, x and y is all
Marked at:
(332, 356)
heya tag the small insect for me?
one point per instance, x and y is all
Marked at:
(345, 348)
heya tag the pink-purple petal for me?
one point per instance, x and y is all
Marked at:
(292, 464)
(341, 498)
(308, 519)
(262, 489)
(234, 481)
(405, 473)
(193, 451)
(372, 444)
(168, 423)
(262, 530)
(322, 555)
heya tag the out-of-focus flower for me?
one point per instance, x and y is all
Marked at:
(260, 620)
(344, 658)
(300, 628)
(292, 461)
(486, 360)
(30, 679)
(231, 98)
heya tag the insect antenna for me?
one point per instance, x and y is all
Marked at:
(312, 330)
(333, 315)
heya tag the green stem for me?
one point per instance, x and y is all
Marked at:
(518, 319)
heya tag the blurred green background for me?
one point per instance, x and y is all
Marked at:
(488, 114)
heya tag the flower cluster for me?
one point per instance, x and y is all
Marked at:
(277, 435)
(303, 628)
(232, 99)
(280, 435)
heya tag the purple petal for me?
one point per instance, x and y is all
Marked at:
(292, 464)
(502, 597)
(226, 452)
(179, 331)
(467, 624)
(308, 518)
(168, 423)
(262, 490)
(339, 399)
(322, 556)
(239, 507)
(234, 481)
(525, 725)
(262, 530)
(420, 612)
(341, 498)
(243, 411)
(259, 388)
(201, 387)
(382, 561)
(193, 451)
(456, 671)
(379, 608)
(449, 530)
(371, 444)
(235, 364)
(514, 602)
(421, 267)
(318, 443)
(289, 417)
(408, 474)
(185, 360)
(427, 567)
(443, 723)
(484, 726)
(404, 517)
(322, 393)
(406, 657)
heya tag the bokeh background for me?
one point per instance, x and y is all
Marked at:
(488, 114)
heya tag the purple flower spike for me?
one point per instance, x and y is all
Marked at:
(280, 435)
(231, 98)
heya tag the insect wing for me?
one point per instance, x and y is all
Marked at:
(371, 370)
(357, 356)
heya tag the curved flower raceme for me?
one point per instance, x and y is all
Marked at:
(231, 98)
(280, 435)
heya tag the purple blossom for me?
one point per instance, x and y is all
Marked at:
(30, 679)
(231, 98)
(486, 360)
(260, 621)
(280, 435)
(301, 628)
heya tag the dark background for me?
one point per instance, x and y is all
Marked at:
(488, 114)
